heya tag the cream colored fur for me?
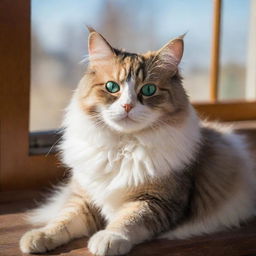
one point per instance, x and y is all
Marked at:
(102, 170)
(100, 160)
(241, 206)
(121, 152)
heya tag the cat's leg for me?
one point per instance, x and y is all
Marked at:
(135, 223)
(76, 219)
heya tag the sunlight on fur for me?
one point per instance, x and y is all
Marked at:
(142, 164)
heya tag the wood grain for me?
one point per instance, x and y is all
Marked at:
(236, 242)
(18, 169)
(215, 52)
(227, 111)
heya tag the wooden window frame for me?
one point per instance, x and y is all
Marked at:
(19, 168)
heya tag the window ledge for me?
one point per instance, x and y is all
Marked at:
(45, 142)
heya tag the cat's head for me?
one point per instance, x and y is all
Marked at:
(130, 92)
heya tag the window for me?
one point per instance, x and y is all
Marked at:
(59, 43)
(19, 169)
(233, 56)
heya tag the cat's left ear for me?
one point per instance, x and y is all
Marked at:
(172, 52)
(98, 47)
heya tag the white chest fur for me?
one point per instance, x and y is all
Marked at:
(106, 163)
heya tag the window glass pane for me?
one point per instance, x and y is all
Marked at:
(234, 49)
(59, 42)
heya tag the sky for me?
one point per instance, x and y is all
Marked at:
(169, 18)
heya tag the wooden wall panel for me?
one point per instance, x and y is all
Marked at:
(18, 169)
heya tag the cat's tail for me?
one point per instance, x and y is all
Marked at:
(50, 209)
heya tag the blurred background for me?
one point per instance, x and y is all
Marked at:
(59, 43)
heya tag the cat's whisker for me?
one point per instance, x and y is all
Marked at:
(54, 144)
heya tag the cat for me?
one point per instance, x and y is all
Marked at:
(142, 163)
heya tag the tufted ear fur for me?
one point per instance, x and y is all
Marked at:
(98, 47)
(171, 53)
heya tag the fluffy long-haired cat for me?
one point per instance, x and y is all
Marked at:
(143, 164)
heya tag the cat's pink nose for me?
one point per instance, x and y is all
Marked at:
(128, 107)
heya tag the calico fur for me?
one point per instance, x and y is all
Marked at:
(157, 171)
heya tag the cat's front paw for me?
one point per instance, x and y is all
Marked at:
(109, 243)
(36, 241)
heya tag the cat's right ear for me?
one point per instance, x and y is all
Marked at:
(98, 47)
(171, 53)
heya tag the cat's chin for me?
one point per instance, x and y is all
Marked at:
(125, 125)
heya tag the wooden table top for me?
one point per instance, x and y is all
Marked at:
(240, 242)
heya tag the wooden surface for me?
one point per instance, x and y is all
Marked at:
(215, 52)
(237, 242)
(227, 111)
(18, 170)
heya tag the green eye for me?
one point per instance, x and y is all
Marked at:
(112, 87)
(148, 89)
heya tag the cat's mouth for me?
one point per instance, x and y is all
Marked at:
(124, 117)
(125, 121)
(127, 118)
